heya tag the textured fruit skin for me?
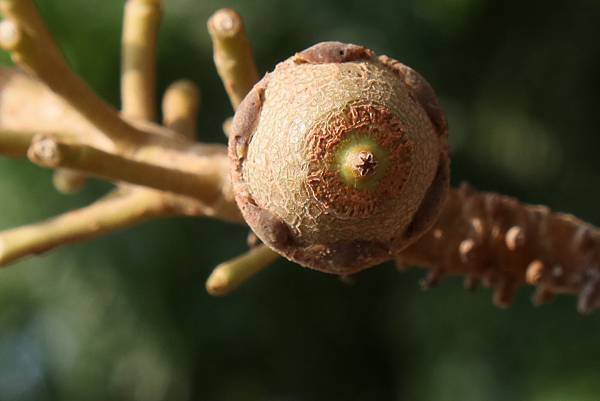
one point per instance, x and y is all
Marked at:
(283, 150)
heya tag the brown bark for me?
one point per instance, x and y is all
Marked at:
(504, 244)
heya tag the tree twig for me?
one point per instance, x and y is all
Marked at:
(204, 184)
(28, 107)
(68, 181)
(180, 106)
(116, 211)
(232, 54)
(24, 34)
(14, 143)
(141, 22)
(229, 275)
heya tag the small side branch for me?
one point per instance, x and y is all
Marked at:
(138, 59)
(180, 106)
(227, 126)
(232, 54)
(68, 181)
(229, 275)
(119, 210)
(204, 185)
(499, 242)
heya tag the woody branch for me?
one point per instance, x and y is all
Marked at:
(485, 237)
(71, 127)
(503, 244)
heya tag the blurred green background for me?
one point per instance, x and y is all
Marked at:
(127, 318)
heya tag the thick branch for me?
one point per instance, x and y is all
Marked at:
(505, 244)
(119, 210)
(138, 59)
(28, 107)
(26, 37)
(232, 54)
(14, 143)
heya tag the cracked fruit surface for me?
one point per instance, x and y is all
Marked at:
(339, 158)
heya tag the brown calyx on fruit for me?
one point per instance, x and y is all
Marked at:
(339, 160)
(332, 52)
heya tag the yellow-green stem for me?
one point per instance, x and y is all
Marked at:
(229, 275)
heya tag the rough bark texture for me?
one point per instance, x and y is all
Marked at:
(505, 244)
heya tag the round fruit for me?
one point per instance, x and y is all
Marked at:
(339, 158)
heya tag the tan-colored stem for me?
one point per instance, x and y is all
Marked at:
(229, 275)
(191, 179)
(204, 184)
(141, 22)
(180, 107)
(28, 107)
(27, 14)
(503, 243)
(227, 126)
(232, 54)
(25, 36)
(119, 210)
(14, 143)
(25, 105)
(68, 181)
